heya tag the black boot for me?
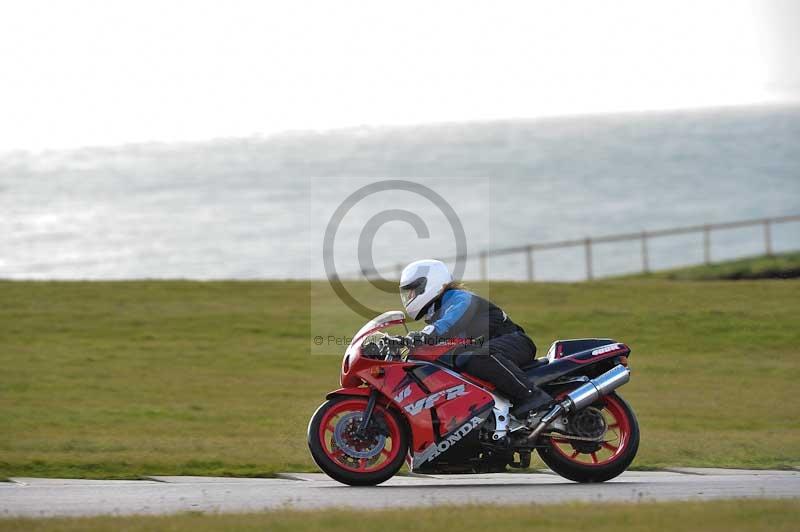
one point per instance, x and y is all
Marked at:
(537, 399)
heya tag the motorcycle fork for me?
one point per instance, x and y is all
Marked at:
(362, 427)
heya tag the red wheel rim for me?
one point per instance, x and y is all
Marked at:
(343, 413)
(615, 440)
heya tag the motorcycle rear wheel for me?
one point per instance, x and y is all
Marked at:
(586, 462)
(348, 458)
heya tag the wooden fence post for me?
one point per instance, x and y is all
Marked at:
(529, 257)
(588, 245)
(645, 255)
(768, 236)
(707, 244)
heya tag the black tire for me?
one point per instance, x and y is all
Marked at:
(598, 473)
(338, 473)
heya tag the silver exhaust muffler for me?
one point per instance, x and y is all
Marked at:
(590, 392)
(584, 395)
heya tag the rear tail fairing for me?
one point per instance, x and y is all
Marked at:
(581, 363)
(572, 346)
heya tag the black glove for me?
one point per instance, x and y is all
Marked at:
(417, 338)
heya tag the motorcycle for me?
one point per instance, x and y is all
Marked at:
(400, 402)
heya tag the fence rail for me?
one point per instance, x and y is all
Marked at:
(587, 243)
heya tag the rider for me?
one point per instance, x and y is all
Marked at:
(498, 345)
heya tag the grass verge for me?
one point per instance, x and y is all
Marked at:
(783, 266)
(722, 516)
(124, 379)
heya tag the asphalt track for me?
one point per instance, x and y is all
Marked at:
(162, 495)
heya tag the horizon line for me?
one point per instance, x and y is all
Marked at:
(786, 101)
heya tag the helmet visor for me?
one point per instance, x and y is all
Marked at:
(410, 291)
(407, 295)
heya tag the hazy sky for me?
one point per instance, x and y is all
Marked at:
(76, 73)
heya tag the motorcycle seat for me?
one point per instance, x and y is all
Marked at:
(535, 363)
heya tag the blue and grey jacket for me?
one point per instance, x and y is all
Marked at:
(462, 314)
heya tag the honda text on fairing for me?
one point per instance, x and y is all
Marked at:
(399, 402)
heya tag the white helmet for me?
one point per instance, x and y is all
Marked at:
(421, 282)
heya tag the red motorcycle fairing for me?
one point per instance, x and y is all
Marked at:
(440, 406)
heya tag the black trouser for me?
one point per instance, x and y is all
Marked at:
(498, 361)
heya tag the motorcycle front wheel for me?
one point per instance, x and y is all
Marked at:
(584, 461)
(351, 458)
